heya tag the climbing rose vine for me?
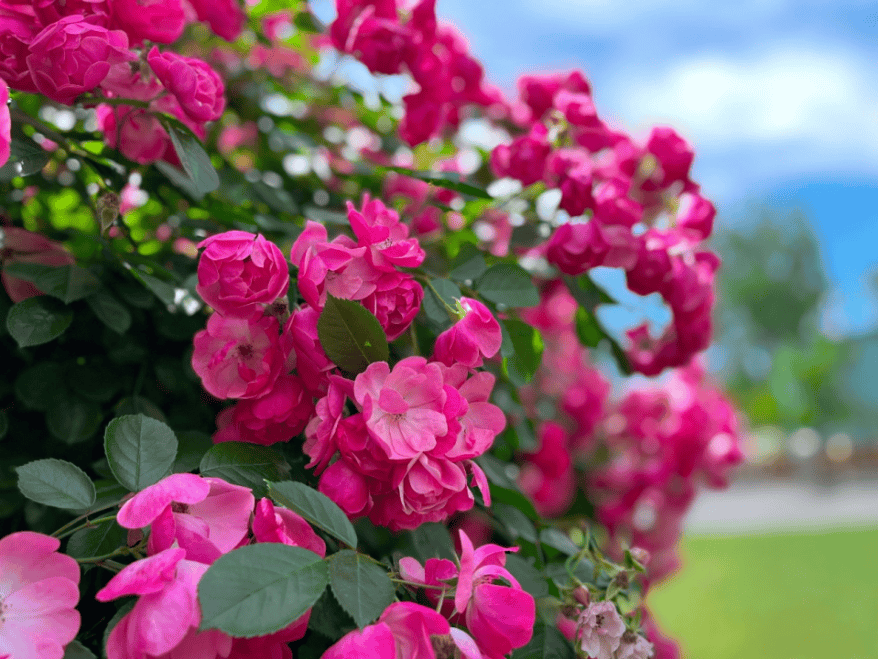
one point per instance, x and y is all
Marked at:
(297, 368)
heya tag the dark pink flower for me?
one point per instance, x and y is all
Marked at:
(378, 228)
(137, 133)
(5, 123)
(304, 351)
(95, 12)
(395, 302)
(197, 87)
(225, 17)
(238, 357)
(547, 475)
(17, 30)
(673, 153)
(39, 589)
(239, 273)
(525, 158)
(470, 340)
(577, 248)
(373, 641)
(73, 56)
(320, 434)
(161, 21)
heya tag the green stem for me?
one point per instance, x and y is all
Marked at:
(418, 585)
(75, 521)
(100, 559)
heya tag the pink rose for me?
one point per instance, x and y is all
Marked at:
(471, 339)
(198, 88)
(576, 248)
(238, 357)
(72, 56)
(95, 12)
(40, 589)
(239, 273)
(137, 133)
(395, 302)
(17, 31)
(161, 21)
(304, 352)
(378, 228)
(224, 17)
(5, 123)
(22, 246)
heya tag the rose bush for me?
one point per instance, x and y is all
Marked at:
(283, 379)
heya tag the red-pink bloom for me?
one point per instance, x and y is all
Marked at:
(499, 617)
(320, 433)
(239, 273)
(225, 17)
(17, 31)
(525, 158)
(576, 248)
(73, 56)
(206, 517)
(378, 228)
(373, 641)
(599, 630)
(471, 339)
(137, 133)
(403, 408)
(197, 87)
(5, 123)
(22, 246)
(96, 12)
(395, 302)
(238, 357)
(272, 524)
(473, 422)
(161, 21)
(673, 153)
(304, 351)
(39, 589)
(278, 416)
(166, 615)
(547, 475)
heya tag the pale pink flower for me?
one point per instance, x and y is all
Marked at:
(206, 517)
(198, 88)
(634, 646)
(600, 630)
(471, 339)
(238, 357)
(73, 56)
(39, 589)
(240, 272)
(473, 422)
(403, 408)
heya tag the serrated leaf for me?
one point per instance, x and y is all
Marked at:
(37, 320)
(196, 163)
(362, 587)
(509, 284)
(546, 643)
(329, 619)
(447, 180)
(56, 483)
(469, 264)
(244, 464)
(110, 311)
(99, 540)
(260, 589)
(351, 336)
(140, 450)
(315, 507)
(439, 300)
(68, 283)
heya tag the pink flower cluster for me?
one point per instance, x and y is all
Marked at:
(499, 616)
(192, 522)
(389, 39)
(364, 270)
(664, 442)
(644, 212)
(598, 630)
(405, 456)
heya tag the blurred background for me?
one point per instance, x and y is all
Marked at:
(780, 100)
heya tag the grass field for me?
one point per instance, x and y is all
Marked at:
(807, 595)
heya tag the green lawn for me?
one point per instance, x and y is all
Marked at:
(807, 595)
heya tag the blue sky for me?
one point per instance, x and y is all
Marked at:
(779, 98)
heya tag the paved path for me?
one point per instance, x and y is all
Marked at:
(765, 507)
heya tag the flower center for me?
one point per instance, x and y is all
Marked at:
(245, 351)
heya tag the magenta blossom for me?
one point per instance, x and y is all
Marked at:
(206, 517)
(95, 11)
(225, 17)
(238, 357)
(39, 589)
(17, 31)
(161, 21)
(239, 273)
(378, 228)
(471, 339)
(136, 133)
(5, 123)
(73, 56)
(395, 302)
(198, 88)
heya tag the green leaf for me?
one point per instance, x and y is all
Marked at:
(37, 320)
(93, 381)
(110, 311)
(586, 293)
(100, 540)
(161, 289)
(362, 587)
(196, 163)
(26, 157)
(56, 483)
(329, 619)
(432, 540)
(588, 330)
(503, 488)
(546, 643)
(245, 464)
(72, 419)
(140, 450)
(260, 589)
(439, 303)
(527, 353)
(468, 265)
(68, 283)
(76, 650)
(351, 336)
(529, 577)
(515, 521)
(559, 540)
(509, 284)
(315, 507)
(4, 423)
(447, 180)
(39, 386)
